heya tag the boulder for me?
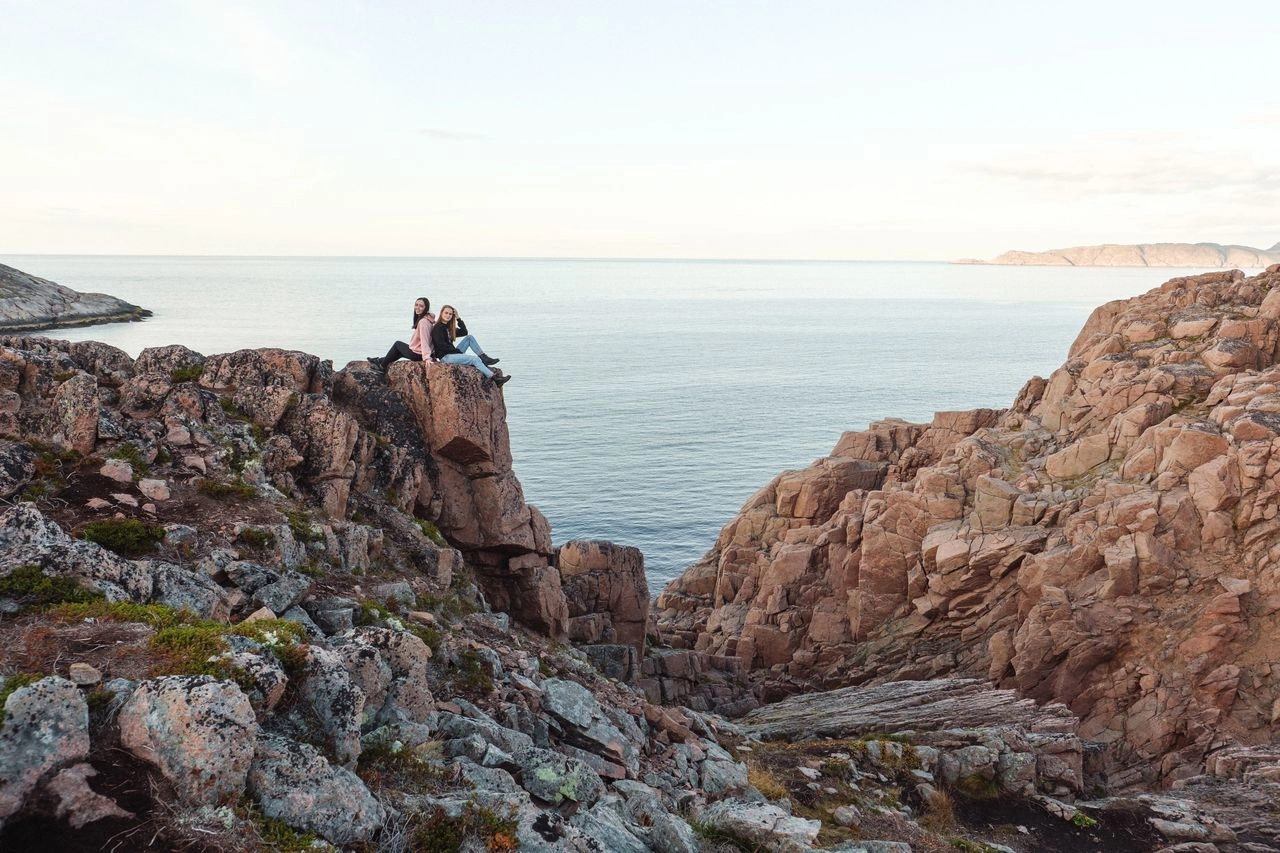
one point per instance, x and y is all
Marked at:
(197, 731)
(294, 783)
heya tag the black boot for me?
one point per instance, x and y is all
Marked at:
(501, 380)
(377, 362)
(489, 362)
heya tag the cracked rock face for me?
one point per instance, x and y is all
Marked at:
(1107, 542)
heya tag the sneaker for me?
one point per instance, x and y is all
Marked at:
(501, 380)
(489, 362)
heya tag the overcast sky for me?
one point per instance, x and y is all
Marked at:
(691, 128)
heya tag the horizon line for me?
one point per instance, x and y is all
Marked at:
(620, 258)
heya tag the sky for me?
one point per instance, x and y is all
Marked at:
(664, 128)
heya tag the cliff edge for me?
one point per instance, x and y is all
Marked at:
(1109, 542)
(28, 303)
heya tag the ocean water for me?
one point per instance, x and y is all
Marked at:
(650, 399)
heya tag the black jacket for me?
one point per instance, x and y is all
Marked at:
(440, 343)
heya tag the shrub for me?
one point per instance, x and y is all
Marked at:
(187, 374)
(128, 537)
(440, 833)
(432, 532)
(255, 538)
(130, 453)
(31, 587)
(227, 489)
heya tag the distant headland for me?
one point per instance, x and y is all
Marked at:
(28, 303)
(1203, 255)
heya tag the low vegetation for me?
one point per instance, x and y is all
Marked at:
(31, 588)
(127, 537)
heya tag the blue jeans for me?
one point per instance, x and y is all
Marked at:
(463, 357)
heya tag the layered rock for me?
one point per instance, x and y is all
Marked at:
(1191, 255)
(1108, 542)
(428, 442)
(28, 303)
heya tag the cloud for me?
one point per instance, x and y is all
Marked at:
(1143, 168)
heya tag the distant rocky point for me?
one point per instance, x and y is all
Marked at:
(1143, 255)
(28, 303)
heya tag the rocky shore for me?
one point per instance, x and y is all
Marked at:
(250, 602)
(1109, 543)
(28, 303)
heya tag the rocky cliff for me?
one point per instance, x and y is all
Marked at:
(248, 602)
(28, 303)
(1191, 255)
(1111, 542)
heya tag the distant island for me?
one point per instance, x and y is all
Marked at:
(28, 303)
(1143, 255)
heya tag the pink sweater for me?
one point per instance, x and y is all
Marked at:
(421, 337)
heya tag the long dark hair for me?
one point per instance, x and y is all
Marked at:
(416, 316)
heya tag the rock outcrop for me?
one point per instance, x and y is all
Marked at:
(28, 303)
(1190, 255)
(1109, 542)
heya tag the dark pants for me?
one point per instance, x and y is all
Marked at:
(398, 351)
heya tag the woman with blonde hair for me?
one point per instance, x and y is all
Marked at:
(446, 346)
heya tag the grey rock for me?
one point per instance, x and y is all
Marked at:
(604, 823)
(763, 824)
(17, 467)
(399, 592)
(197, 731)
(27, 537)
(46, 725)
(508, 740)
(294, 783)
(555, 778)
(720, 773)
(664, 831)
(284, 592)
(298, 615)
(328, 692)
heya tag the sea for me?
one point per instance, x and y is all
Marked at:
(650, 398)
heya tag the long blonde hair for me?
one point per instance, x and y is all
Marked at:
(452, 325)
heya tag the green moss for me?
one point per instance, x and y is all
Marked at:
(227, 489)
(154, 615)
(31, 587)
(128, 537)
(440, 833)
(1082, 820)
(230, 409)
(472, 675)
(368, 612)
(187, 374)
(432, 532)
(130, 453)
(256, 538)
(431, 636)
(302, 526)
(12, 683)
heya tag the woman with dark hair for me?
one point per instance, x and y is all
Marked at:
(446, 346)
(419, 346)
